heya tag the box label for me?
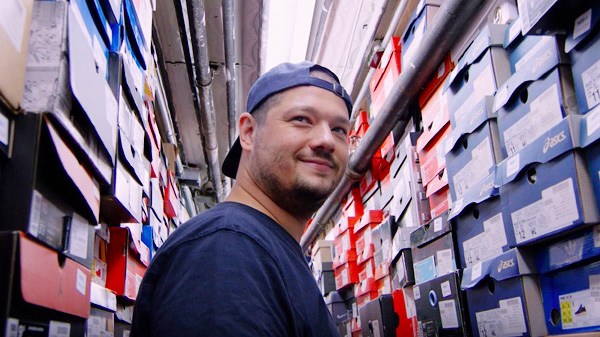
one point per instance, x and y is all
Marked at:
(81, 282)
(375, 325)
(36, 210)
(437, 225)
(4, 129)
(448, 314)
(507, 320)
(597, 236)
(582, 24)
(558, 207)
(545, 113)
(475, 170)
(425, 270)
(445, 262)
(78, 237)
(476, 271)
(593, 121)
(59, 329)
(417, 292)
(12, 21)
(12, 327)
(595, 287)
(446, 290)
(579, 309)
(591, 84)
(512, 165)
(488, 244)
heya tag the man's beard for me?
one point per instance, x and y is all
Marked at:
(301, 199)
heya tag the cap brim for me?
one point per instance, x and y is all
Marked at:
(232, 160)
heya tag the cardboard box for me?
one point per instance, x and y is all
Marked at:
(382, 240)
(345, 269)
(481, 70)
(401, 240)
(536, 108)
(570, 307)
(482, 226)
(438, 194)
(441, 307)
(550, 190)
(590, 133)
(15, 25)
(436, 82)
(365, 291)
(420, 21)
(404, 306)
(503, 297)
(433, 250)
(473, 158)
(125, 268)
(402, 271)
(337, 307)
(384, 78)
(71, 88)
(582, 44)
(431, 152)
(377, 317)
(47, 192)
(41, 293)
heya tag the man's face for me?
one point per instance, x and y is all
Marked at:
(301, 148)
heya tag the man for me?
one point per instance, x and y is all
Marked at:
(238, 269)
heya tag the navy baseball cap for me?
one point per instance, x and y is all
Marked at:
(282, 77)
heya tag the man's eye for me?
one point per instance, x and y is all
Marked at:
(300, 119)
(341, 131)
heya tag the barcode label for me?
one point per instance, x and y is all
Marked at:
(448, 314)
(12, 327)
(59, 329)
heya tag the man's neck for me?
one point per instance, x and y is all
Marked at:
(252, 196)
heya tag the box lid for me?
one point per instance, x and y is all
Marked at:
(509, 264)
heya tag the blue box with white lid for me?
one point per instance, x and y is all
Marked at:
(583, 45)
(421, 19)
(590, 141)
(503, 296)
(480, 71)
(546, 187)
(570, 282)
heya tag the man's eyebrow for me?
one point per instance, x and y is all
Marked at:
(312, 110)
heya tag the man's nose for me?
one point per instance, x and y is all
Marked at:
(323, 138)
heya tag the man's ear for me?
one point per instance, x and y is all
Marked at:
(247, 127)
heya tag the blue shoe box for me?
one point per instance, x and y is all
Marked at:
(480, 71)
(421, 19)
(582, 45)
(503, 297)
(481, 224)
(570, 279)
(473, 158)
(546, 187)
(590, 135)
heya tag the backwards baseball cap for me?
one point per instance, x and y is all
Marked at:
(282, 77)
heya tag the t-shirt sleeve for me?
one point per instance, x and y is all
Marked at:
(223, 285)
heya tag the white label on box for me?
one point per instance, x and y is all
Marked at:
(484, 84)
(446, 290)
(476, 271)
(78, 237)
(36, 210)
(545, 112)
(4, 129)
(582, 24)
(475, 170)
(535, 51)
(488, 244)
(437, 224)
(512, 165)
(126, 333)
(513, 318)
(375, 325)
(59, 329)
(579, 310)
(457, 204)
(591, 84)
(409, 302)
(81, 282)
(597, 236)
(595, 287)
(417, 292)
(593, 120)
(445, 262)
(557, 208)
(12, 21)
(12, 327)
(448, 314)
(489, 322)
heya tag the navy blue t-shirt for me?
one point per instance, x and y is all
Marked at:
(231, 271)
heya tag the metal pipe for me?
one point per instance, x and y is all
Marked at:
(167, 123)
(231, 73)
(451, 19)
(386, 39)
(203, 82)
